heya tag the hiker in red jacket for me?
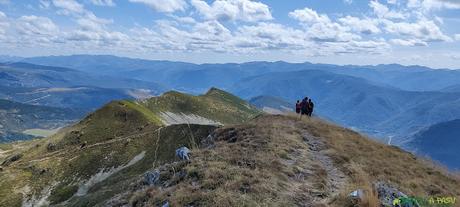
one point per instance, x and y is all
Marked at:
(297, 107)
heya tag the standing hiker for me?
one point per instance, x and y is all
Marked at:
(311, 105)
(297, 107)
(304, 107)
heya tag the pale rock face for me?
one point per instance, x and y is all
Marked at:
(170, 118)
(40, 200)
(101, 175)
(272, 110)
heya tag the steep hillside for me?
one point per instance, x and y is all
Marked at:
(96, 158)
(441, 142)
(15, 118)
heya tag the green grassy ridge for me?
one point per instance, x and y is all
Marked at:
(215, 105)
(112, 136)
(152, 117)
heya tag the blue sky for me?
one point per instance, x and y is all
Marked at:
(423, 32)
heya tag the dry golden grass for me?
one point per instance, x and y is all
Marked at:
(267, 163)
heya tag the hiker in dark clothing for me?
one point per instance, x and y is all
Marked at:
(304, 107)
(297, 107)
(311, 105)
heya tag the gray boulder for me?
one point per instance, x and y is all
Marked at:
(390, 195)
(183, 153)
(151, 178)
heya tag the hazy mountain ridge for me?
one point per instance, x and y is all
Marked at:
(356, 102)
(440, 142)
(175, 74)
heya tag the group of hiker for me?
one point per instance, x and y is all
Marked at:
(304, 107)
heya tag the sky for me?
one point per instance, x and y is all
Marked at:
(360, 32)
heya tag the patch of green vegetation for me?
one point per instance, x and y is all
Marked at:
(40, 132)
(145, 111)
(62, 192)
(215, 105)
(6, 146)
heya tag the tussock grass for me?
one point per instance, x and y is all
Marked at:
(267, 163)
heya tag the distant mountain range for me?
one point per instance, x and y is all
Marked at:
(440, 142)
(356, 102)
(200, 77)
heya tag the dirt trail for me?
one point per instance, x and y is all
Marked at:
(116, 139)
(336, 179)
(317, 179)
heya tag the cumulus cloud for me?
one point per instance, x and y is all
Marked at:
(167, 6)
(4, 24)
(309, 16)
(392, 1)
(410, 42)
(365, 26)
(321, 28)
(270, 36)
(425, 30)
(69, 6)
(457, 37)
(35, 25)
(103, 2)
(233, 26)
(382, 11)
(230, 10)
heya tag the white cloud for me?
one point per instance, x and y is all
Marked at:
(425, 30)
(309, 16)
(69, 6)
(348, 1)
(410, 42)
(103, 2)
(428, 5)
(270, 36)
(320, 28)
(167, 6)
(441, 4)
(383, 11)
(34, 25)
(392, 1)
(230, 10)
(457, 37)
(4, 24)
(365, 26)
